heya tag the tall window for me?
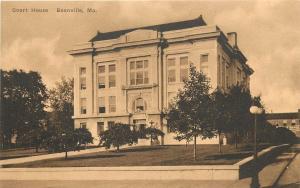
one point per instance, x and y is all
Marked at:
(82, 80)
(138, 72)
(112, 104)
(219, 71)
(227, 76)
(171, 70)
(204, 64)
(83, 105)
(112, 76)
(184, 68)
(100, 127)
(101, 105)
(223, 72)
(101, 76)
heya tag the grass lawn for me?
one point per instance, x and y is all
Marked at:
(149, 156)
(20, 152)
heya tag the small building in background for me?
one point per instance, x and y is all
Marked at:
(289, 120)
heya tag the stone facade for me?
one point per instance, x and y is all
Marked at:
(132, 75)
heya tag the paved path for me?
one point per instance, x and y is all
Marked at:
(48, 156)
(291, 176)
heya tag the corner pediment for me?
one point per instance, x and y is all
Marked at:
(140, 35)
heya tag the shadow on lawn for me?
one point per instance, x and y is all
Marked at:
(94, 157)
(228, 156)
(128, 150)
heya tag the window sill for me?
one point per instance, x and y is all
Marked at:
(145, 86)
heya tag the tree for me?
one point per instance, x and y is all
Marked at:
(151, 133)
(220, 113)
(239, 101)
(58, 139)
(23, 102)
(118, 135)
(189, 116)
(61, 104)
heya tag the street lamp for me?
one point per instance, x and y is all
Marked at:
(256, 111)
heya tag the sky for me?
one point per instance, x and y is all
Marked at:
(268, 35)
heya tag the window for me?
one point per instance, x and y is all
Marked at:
(112, 104)
(100, 127)
(171, 98)
(171, 70)
(101, 105)
(223, 72)
(112, 81)
(110, 124)
(227, 76)
(82, 80)
(139, 105)
(138, 72)
(204, 64)
(83, 83)
(83, 105)
(204, 58)
(101, 82)
(101, 69)
(184, 74)
(101, 76)
(184, 69)
(83, 125)
(140, 124)
(82, 71)
(219, 70)
(184, 61)
(112, 68)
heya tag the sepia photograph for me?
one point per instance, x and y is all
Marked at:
(153, 94)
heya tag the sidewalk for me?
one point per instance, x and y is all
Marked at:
(48, 156)
(269, 174)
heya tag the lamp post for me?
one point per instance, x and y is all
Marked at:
(256, 111)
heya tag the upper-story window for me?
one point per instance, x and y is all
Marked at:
(171, 70)
(82, 79)
(177, 68)
(101, 76)
(223, 72)
(138, 72)
(227, 76)
(184, 68)
(106, 72)
(101, 102)
(112, 104)
(83, 106)
(204, 64)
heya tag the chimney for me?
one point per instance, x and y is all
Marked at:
(232, 39)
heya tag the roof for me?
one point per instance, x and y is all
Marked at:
(293, 115)
(161, 27)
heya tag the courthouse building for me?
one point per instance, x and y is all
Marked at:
(132, 75)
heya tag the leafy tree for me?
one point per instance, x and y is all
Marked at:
(151, 133)
(189, 116)
(58, 139)
(23, 100)
(61, 104)
(118, 135)
(220, 114)
(239, 101)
